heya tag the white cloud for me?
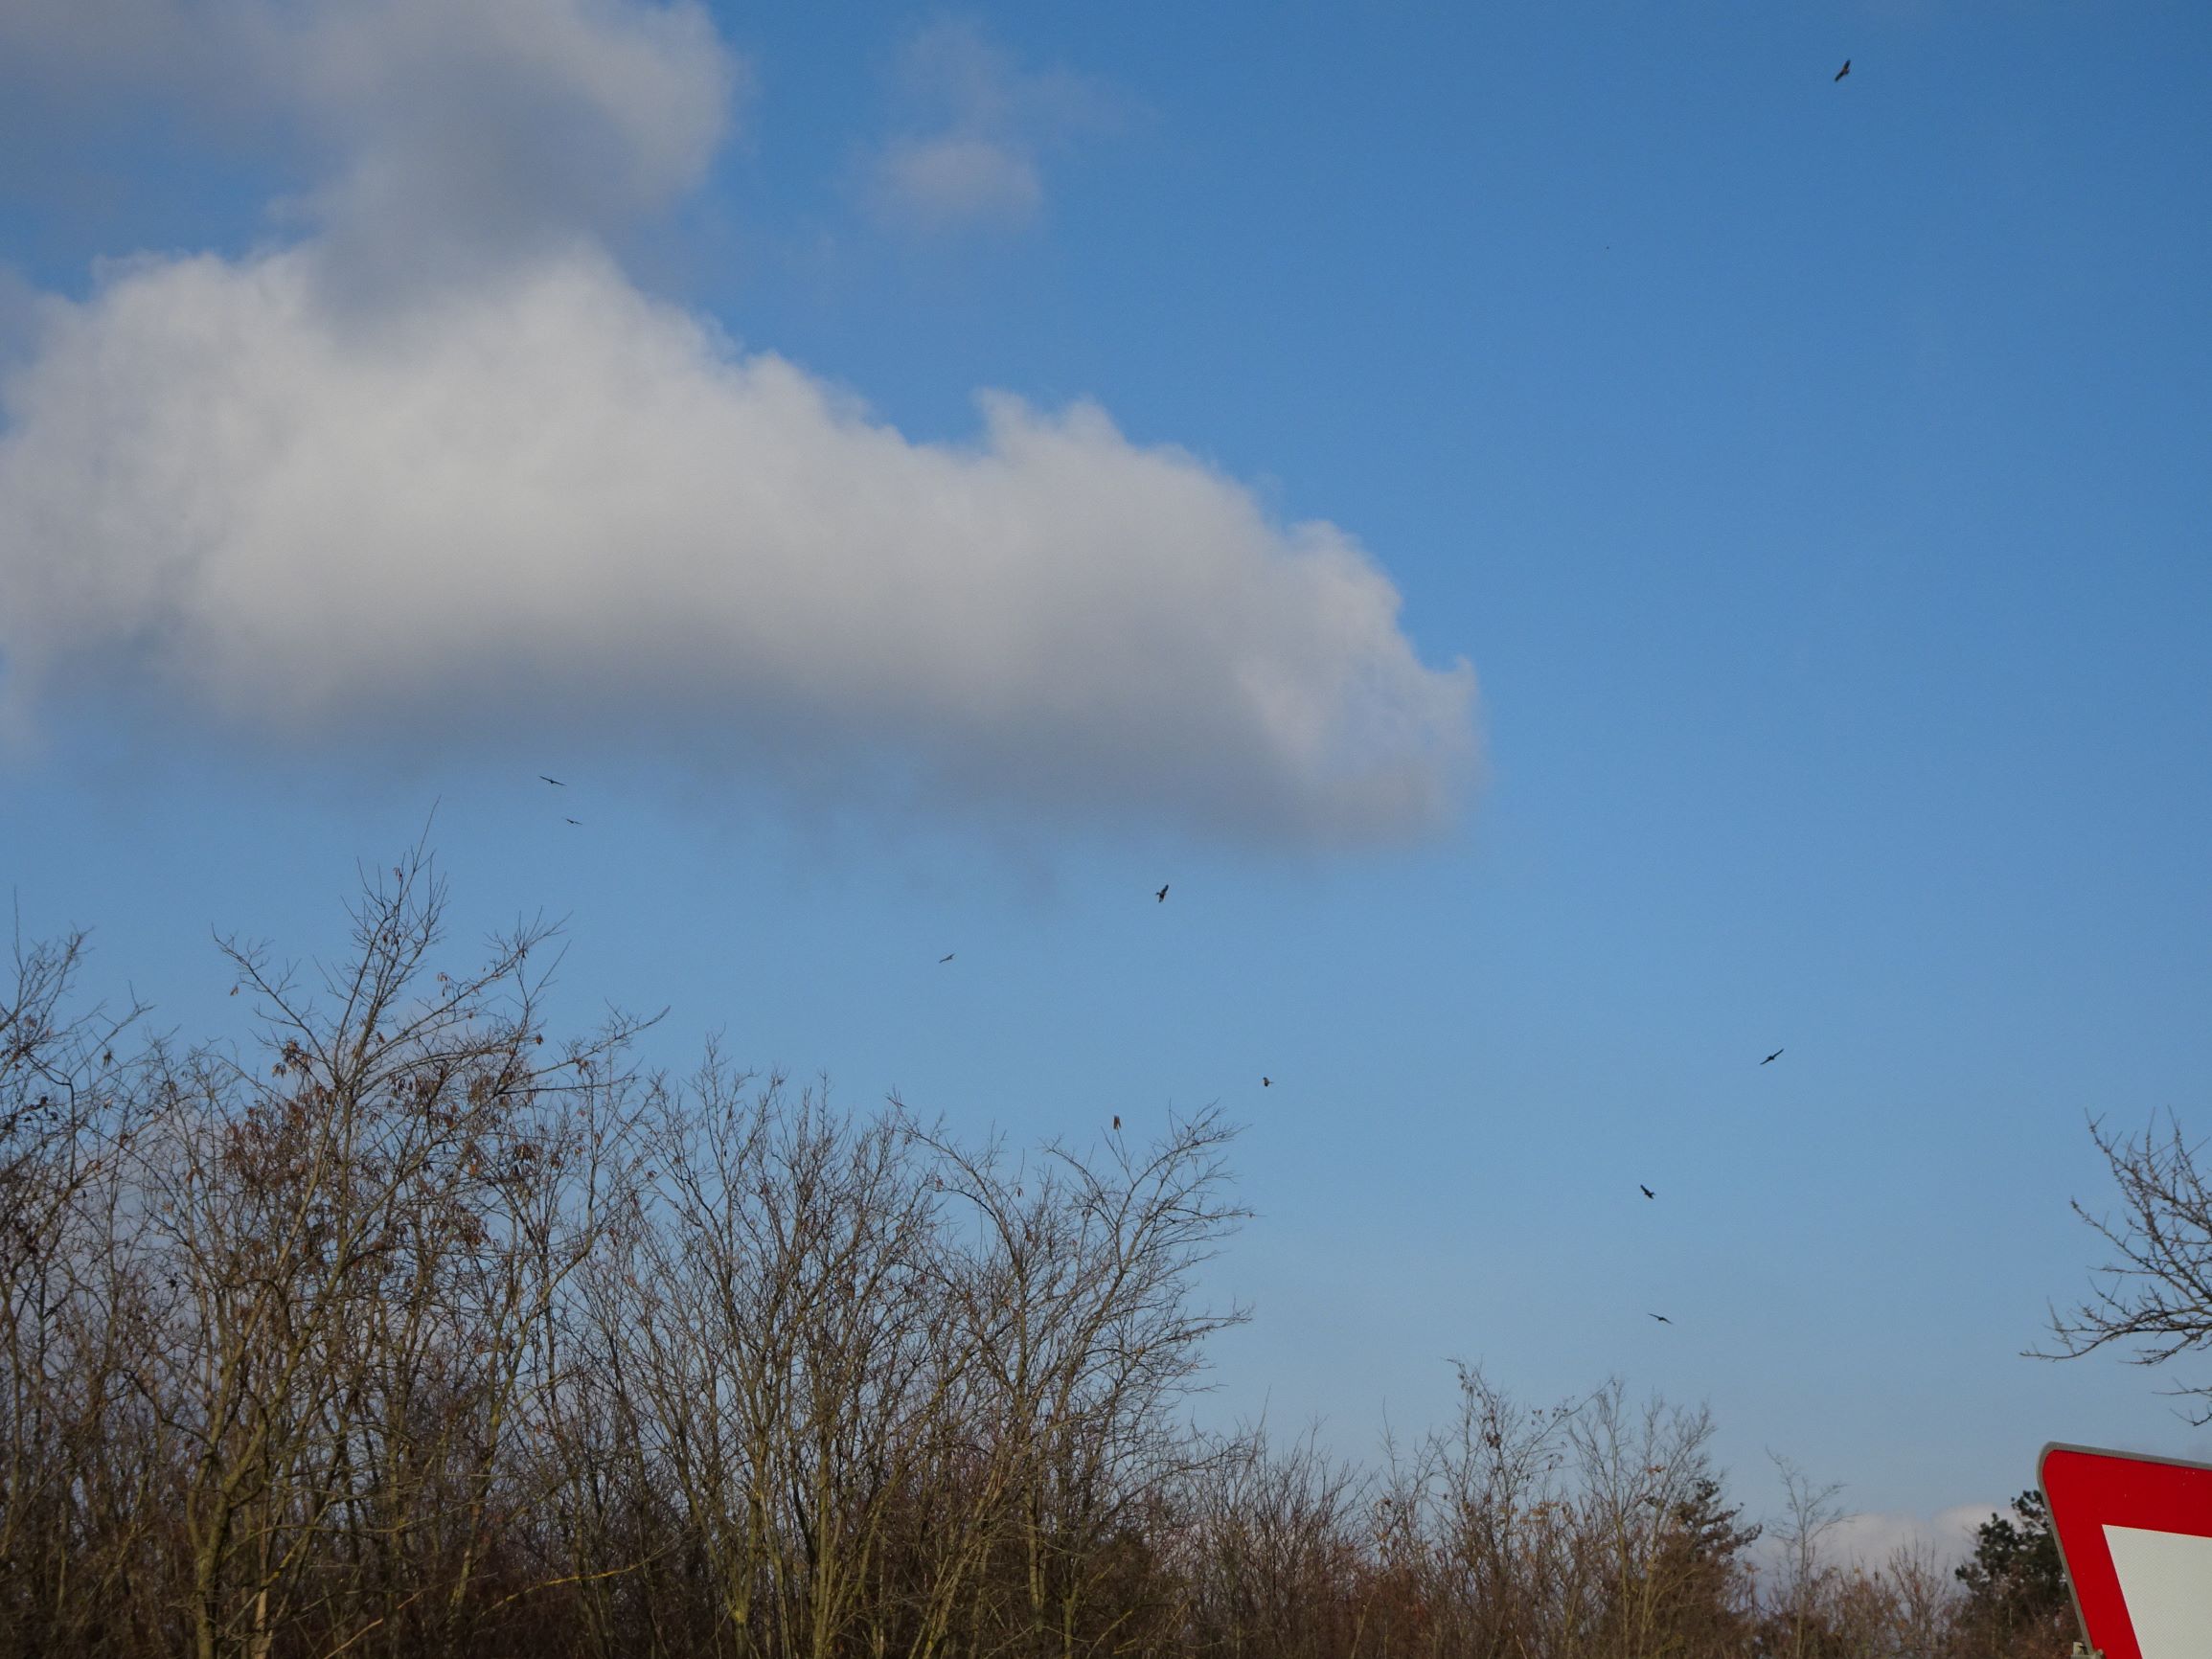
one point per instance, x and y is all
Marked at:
(443, 128)
(551, 494)
(976, 126)
(955, 178)
(1871, 1539)
(117, 42)
(20, 305)
(500, 124)
(440, 472)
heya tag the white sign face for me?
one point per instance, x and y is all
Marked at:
(2167, 1579)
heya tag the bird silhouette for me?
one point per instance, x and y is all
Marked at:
(1117, 1122)
(1662, 1319)
(1162, 894)
(555, 781)
(1267, 1083)
(577, 821)
(947, 956)
(1771, 1058)
(1845, 70)
(1646, 1191)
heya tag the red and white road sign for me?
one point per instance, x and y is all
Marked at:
(2136, 1536)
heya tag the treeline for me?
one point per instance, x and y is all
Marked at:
(410, 1332)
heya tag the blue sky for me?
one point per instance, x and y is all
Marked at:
(1811, 476)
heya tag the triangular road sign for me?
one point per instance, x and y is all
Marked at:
(2136, 1534)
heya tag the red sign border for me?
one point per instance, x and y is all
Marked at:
(2091, 1579)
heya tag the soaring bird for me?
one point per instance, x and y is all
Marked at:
(1646, 1191)
(555, 781)
(1771, 1058)
(577, 821)
(1162, 894)
(947, 956)
(1662, 1319)
(1845, 70)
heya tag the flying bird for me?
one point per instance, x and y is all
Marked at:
(1162, 894)
(1662, 1319)
(1845, 70)
(1771, 1058)
(555, 781)
(1646, 1191)
(1267, 1083)
(947, 956)
(577, 821)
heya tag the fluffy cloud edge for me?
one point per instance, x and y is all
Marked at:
(551, 492)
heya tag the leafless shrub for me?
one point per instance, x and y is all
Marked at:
(407, 1330)
(1274, 1557)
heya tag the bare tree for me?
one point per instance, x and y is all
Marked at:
(1797, 1612)
(1077, 1302)
(403, 1330)
(2156, 1291)
(1664, 1546)
(1919, 1603)
(782, 1346)
(361, 1240)
(1274, 1543)
(73, 1508)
